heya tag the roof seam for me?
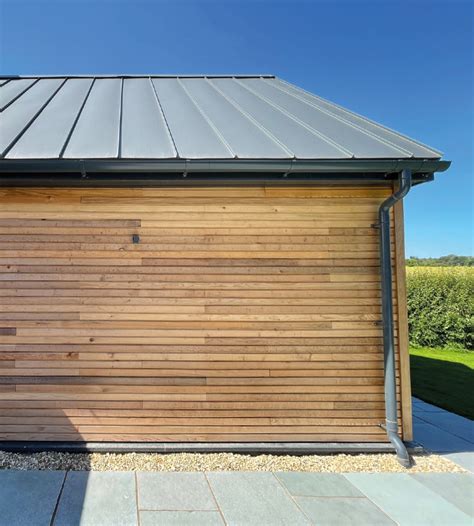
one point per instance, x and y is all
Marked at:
(208, 120)
(365, 119)
(252, 120)
(18, 95)
(165, 120)
(30, 122)
(299, 122)
(119, 148)
(344, 121)
(76, 120)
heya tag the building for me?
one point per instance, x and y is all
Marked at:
(201, 260)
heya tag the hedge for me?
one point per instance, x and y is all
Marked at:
(441, 306)
(444, 261)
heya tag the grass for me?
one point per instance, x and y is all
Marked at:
(444, 377)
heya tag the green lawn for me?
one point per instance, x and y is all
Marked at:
(444, 377)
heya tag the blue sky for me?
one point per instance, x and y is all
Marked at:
(406, 64)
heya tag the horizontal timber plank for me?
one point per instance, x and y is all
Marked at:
(242, 314)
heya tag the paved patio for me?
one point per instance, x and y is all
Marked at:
(37, 498)
(444, 433)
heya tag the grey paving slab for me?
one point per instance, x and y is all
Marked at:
(181, 518)
(343, 511)
(407, 501)
(457, 488)
(438, 440)
(463, 459)
(420, 411)
(451, 423)
(421, 406)
(174, 491)
(254, 499)
(93, 498)
(428, 408)
(318, 485)
(29, 497)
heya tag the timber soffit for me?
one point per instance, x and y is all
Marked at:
(201, 123)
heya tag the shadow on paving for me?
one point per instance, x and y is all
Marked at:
(444, 433)
(42, 497)
(67, 498)
(89, 497)
(444, 384)
(46, 497)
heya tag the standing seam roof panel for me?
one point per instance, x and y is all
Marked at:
(360, 144)
(416, 148)
(295, 137)
(247, 140)
(12, 90)
(45, 137)
(193, 136)
(145, 133)
(18, 116)
(97, 132)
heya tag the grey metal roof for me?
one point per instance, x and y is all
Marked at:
(210, 118)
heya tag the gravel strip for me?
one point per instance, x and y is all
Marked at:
(373, 463)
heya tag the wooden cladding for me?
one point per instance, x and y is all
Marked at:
(191, 314)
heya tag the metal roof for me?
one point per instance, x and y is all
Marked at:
(202, 118)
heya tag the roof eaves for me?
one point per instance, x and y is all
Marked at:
(287, 166)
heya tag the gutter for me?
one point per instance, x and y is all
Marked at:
(185, 166)
(391, 420)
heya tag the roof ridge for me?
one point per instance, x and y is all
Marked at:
(139, 75)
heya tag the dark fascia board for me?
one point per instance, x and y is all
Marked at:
(185, 166)
(201, 179)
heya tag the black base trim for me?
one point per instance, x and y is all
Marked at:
(252, 448)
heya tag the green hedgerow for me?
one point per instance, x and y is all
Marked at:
(441, 306)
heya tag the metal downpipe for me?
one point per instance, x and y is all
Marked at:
(391, 421)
